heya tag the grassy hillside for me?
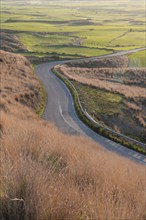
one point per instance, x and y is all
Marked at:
(112, 92)
(48, 175)
(76, 28)
(18, 82)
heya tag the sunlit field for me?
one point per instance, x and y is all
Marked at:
(138, 59)
(76, 28)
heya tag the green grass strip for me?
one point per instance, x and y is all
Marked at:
(41, 106)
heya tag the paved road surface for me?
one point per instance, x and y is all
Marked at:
(60, 110)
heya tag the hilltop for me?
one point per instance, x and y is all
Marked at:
(10, 42)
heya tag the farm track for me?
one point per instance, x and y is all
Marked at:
(122, 35)
(60, 109)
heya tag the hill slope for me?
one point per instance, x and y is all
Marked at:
(10, 42)
(112, 92)
(48, 175)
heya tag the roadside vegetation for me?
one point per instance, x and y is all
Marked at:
(49, 175)
(111, 92)
(42, 103)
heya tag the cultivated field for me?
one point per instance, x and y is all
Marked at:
(76, 28)
(138, 59)
(48, 175)
(113, 93)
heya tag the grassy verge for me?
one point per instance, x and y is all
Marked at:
(95, 101)
(109, 109)
(93, 126)
(41, 106)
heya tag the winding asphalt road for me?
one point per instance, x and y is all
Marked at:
(60, 109)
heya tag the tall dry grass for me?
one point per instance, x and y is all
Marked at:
(46, 175)
(18, 82)
(126, 81)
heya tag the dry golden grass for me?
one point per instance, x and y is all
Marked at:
(18, 82)
(46, 175)
(125, 81)
(10, 42)
(54, 176)
(116, 62)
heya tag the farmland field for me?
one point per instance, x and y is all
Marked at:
(75, 28)
(138, 59)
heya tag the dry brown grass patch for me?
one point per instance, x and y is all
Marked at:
(18, 82)
(63, 177)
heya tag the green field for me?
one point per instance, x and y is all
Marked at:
(95, 101)
(76, 28)
(138, 59)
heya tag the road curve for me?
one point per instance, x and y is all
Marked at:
(60, 109)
